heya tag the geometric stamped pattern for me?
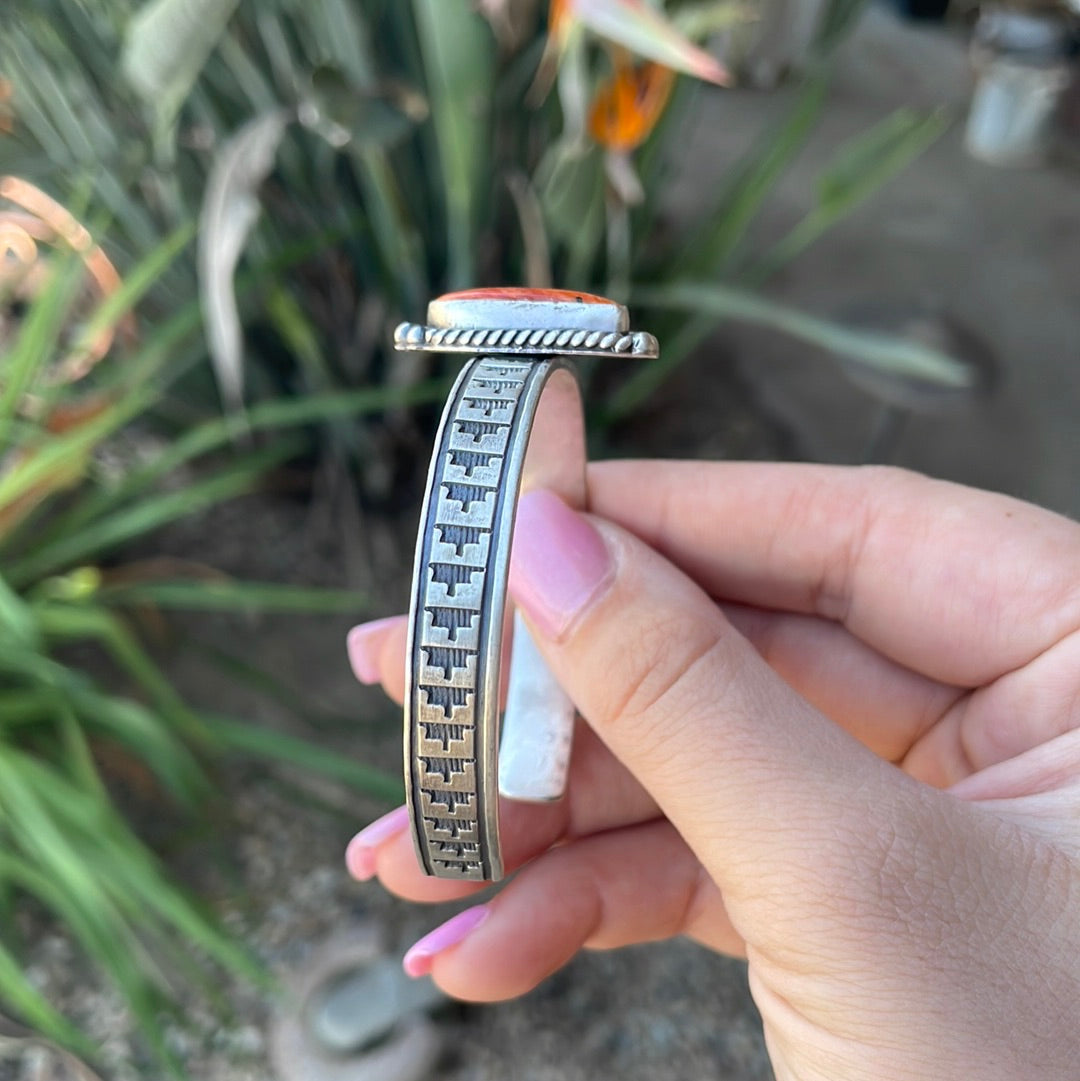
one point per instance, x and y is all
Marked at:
(446, 717)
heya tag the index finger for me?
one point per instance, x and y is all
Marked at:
(959, 584)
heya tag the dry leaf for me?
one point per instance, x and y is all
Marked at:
(229, 212)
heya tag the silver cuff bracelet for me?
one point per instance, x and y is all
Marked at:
(513, 420)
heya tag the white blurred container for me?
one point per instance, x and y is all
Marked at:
(1022, 69)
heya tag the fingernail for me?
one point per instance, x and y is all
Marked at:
(363, 644)
(360, 855)
(559, 563)
(418, 961)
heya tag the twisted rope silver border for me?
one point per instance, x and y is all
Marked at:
(510, 341)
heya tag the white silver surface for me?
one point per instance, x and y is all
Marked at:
(500, 308)
(538, 726)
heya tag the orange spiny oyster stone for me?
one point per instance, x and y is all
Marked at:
(503, 292)
(522, 308)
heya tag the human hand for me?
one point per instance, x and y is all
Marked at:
(833, 726)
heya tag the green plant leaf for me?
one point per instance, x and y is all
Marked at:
(459, 57)
(24, 365)
(570, 186)
(134, 285)
(835, 23)
(267, 416)
(165, 47)
(881, 352)
(158, 739)
(52, 453)
(715, 240)
(25, 785)
(236, 479)
(278, 747)
(95, 925)
(24, 664)
(400, 244)
(18, 56)
(343, 29)
(298, 332)
(136, 879)
(298, 702)
(858, 169)
(46, 81)
(19, 708)
(647, 32)
(698, 21)
(17, 990)
(17, 617)
(77, 754)
(125, 887)
(229, 212)
(864, 163)
(150, 738)
(379, 116)
(229, 595)
(534, 237)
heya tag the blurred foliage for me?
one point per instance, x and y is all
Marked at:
(82, 703)
(423, 146)
(338, 163)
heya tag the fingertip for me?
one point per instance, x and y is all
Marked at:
(360, 861)
(400, 873)
(420, 958)
(536, 925)
(559, 564)
(364, 646)
(417, 965)
(361, 855)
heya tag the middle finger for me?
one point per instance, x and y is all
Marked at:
(601, 795)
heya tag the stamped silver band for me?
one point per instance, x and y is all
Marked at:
(513, 421)
(508, 423)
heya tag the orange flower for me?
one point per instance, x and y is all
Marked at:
(559, 17)
(629, 105)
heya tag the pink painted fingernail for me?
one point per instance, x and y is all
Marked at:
(559, 563)
(419, 959)
(360, 855)
(364, 643)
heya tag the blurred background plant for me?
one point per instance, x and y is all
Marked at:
(337, 164)
(82, 704)
(411, 148)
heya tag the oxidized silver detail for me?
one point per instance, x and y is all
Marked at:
(456, 622)
(515, 389)
(507, 340)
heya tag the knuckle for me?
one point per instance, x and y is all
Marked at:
(658, 678)
(850, 517)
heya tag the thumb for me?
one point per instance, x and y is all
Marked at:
(776, 800)
(850, 882)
